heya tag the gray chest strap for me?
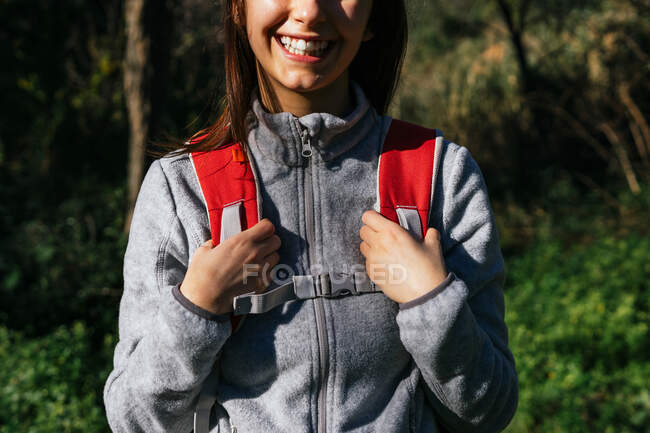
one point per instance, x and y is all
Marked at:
(327, 285)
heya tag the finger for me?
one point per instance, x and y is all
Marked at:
(267, 271)
(365, 248)
(262, 230)
(369, 235)
(267, 246)
(432, 240)
(432, 234)
(376, 221)
(267, 264)
(207, 244)
(261, 285)
(271, 260)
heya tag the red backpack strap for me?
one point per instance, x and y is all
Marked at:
(408, 165)
(230, 193)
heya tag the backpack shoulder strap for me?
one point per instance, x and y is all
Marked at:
(406, 176)
(231, 196)
(227, 182)
(230, 193)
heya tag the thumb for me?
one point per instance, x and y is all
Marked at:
(432, 238)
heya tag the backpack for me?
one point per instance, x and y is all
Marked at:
(406, 176)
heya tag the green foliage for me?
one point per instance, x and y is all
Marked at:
(61, 86)
(63, 261)
(572, 214)
(579, 320)
(53, 383)
(556, 87)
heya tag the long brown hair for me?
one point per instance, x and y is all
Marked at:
(376, 68)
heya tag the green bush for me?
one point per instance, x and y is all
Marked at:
(578, 321)
(53, 383)
(61, 258)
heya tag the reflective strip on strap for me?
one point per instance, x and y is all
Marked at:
(207, 397)
(231, 220)
(327, 285)
(409, 219)
(263, 302)
(230, 226)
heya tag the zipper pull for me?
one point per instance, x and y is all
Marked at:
(306, 144)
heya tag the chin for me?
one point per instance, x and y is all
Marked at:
(303, 86)
(307, 84)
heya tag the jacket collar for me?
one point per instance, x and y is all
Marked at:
(279, 136)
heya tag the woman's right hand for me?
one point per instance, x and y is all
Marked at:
(216, 274)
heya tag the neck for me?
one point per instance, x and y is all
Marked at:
(333, 98)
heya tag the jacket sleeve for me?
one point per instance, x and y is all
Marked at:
(456, 332)
(166, 348)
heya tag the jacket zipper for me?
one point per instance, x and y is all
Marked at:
(323, 348)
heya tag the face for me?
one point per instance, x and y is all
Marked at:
(306, 45)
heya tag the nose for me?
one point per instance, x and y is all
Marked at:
(307, 12)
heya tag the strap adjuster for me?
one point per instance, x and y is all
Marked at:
(334, 285)
(341, 284)
(322, 285)
(326, 285)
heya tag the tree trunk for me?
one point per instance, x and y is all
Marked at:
(516, 29)
(622, 155)
(137, 102)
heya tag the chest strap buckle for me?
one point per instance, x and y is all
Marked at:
(326, 285)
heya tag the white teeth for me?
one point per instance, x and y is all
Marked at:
(302, 47)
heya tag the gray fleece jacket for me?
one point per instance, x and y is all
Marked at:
(354, 364)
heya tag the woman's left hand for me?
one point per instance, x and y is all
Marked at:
(402, 267)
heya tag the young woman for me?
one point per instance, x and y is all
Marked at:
(308, 83)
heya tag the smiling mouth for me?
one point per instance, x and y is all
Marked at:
(302, 47)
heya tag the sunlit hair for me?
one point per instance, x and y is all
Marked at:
(376, 68)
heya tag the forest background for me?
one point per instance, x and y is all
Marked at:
(550, 96)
